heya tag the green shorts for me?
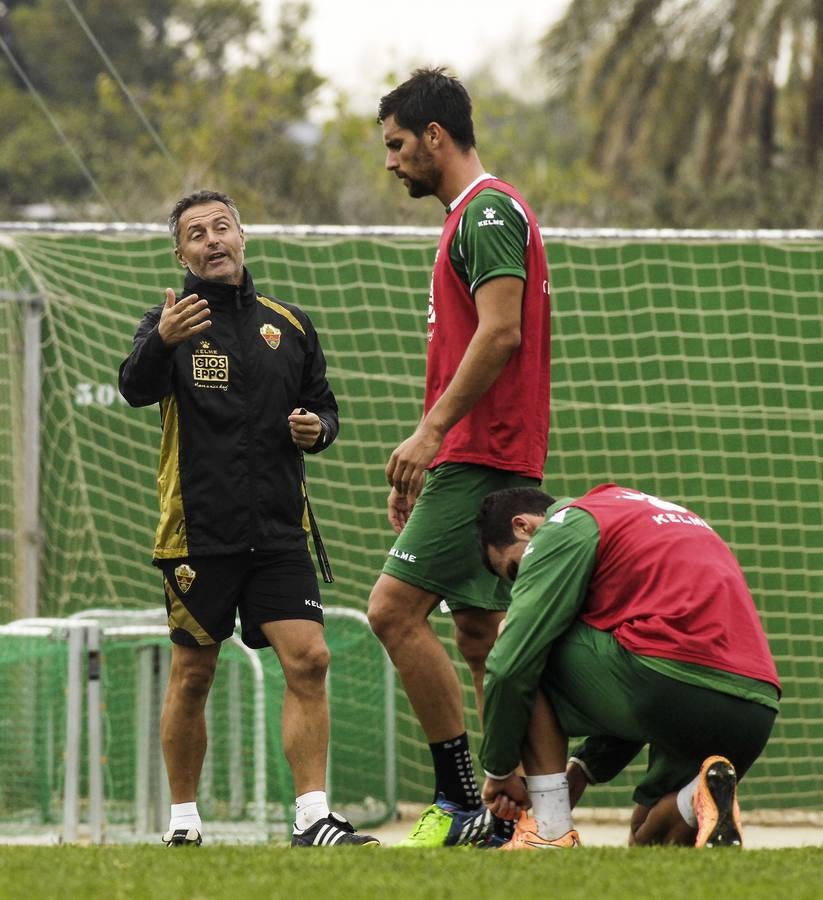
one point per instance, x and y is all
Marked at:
(599, 689)
(438, 549)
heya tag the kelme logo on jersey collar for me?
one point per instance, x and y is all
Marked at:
(185, 576)
(271, 335)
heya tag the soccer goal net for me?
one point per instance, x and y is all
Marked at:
(80, 754)
(687, 365)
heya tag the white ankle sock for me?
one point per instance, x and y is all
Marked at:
(549, 795)
(185, 815)
(309, 808)
(685, 806)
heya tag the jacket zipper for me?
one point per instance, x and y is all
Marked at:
(249, 427)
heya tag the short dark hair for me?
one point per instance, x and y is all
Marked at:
(196, 199)
(430, 95)
(494, 518)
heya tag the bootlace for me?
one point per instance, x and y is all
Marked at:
(426, 823)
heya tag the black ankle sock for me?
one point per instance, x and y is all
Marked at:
(454, 772)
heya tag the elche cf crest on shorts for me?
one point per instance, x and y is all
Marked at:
(271, 335)
(185, 576)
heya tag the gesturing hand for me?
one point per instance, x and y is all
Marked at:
(181, 320)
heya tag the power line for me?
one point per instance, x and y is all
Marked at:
(56, 126)
(123, 87)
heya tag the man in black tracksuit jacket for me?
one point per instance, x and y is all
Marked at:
(241, 383)
(229, 473)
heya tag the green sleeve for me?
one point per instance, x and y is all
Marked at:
(546, 597)
(491, 240)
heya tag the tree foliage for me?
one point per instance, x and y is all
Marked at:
(675, 113)
(701, 112)
(160, 107)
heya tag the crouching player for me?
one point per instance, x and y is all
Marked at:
(631, 623)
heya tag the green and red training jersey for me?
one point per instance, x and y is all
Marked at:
(666, 585)
(655, 575)
(490, 232)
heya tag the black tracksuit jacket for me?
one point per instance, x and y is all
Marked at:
(229, 473)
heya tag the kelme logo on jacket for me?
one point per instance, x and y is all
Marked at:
(271, 335)
(210, 368)
(185, 576)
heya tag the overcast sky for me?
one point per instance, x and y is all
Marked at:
(357, 42)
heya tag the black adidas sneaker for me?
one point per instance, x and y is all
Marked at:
(183, 837)
(333, 831)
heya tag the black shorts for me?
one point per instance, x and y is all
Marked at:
(204, 595)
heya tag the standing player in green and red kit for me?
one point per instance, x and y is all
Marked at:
(484, 427)
(630, 623)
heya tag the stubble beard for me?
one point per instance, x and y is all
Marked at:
(427, 183)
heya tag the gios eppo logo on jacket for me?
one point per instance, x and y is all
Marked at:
(210, 368)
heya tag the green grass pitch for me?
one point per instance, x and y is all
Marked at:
(348, 873)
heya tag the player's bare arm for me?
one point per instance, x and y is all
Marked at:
(497, 336)
(182, 319)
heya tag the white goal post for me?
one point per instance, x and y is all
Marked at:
(251, 810)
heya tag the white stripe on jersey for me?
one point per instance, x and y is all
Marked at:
(522, 212)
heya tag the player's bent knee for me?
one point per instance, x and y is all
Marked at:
(375, 613)
(395, 609)
(473, 649)
(383, 623)
(385, 616)
(475, 636)
(639, 816)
